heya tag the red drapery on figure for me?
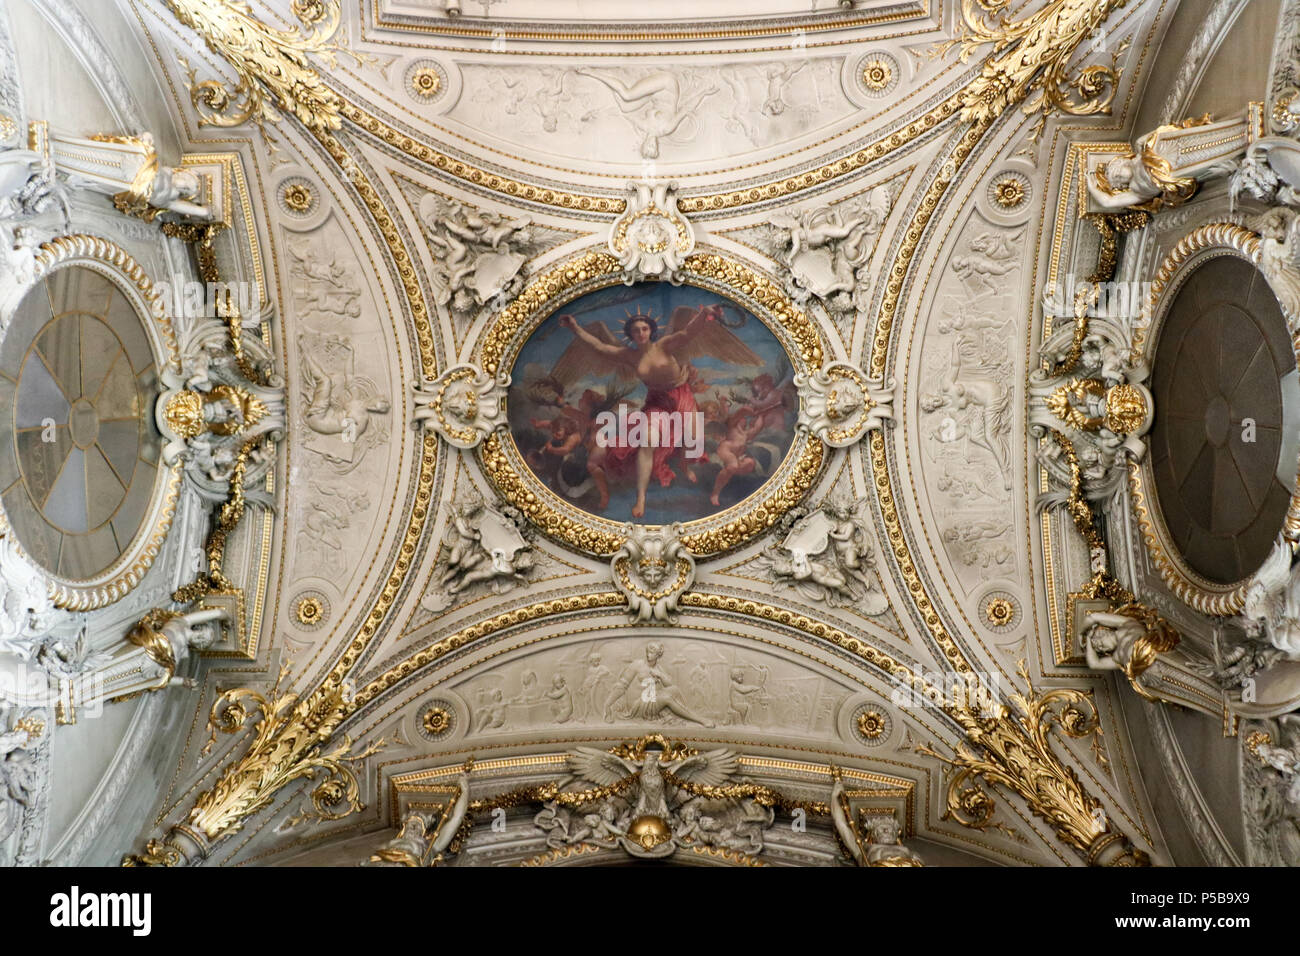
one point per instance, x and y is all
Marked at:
(621, 458)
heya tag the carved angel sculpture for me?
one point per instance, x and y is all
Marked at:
(1279, 259)
(824, 247)
(1284, 755)
(1129, 639)
(26, 609)
(1272, 603)
(19, 776)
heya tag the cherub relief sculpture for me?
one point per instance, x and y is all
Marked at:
(29, 186)
(660, 105)
(1279, 258)
(826, 249)
(26, 609)
(478, 255)
(323, 285)
(484, 544)
(343, 409)
(977, 390)
(827, 555)
(680, 681)
(21, 777)
(1279, 748)
(326, 518)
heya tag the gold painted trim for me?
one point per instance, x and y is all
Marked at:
(699, 30)
(503, 341)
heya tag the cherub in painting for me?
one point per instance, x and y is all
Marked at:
(663, 365)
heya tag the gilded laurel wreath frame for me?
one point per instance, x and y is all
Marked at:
(1207, 242)
(121, 577)
(592, 534)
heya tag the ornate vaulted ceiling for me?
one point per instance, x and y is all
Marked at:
(884, 616)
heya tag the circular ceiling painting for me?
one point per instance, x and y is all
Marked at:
(78, 448)
(652, 403)
(1225, 392)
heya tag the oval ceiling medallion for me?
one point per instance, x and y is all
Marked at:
(654, 403)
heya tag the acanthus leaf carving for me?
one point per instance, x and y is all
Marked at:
(1031, 58)
(273, 67)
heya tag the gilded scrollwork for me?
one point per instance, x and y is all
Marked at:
(274, 67)
(463, 405)
(651, 238)
(1031, 59)
(652, 569)
(1013, 749)
(839, 405)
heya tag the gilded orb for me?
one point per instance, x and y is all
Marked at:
(648, 831)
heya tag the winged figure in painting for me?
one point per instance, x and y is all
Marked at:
(663, 364)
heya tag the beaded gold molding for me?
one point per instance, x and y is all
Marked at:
(593, 534)
(114, 263)
(1208, 241)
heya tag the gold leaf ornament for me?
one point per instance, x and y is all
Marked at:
(273, 67)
